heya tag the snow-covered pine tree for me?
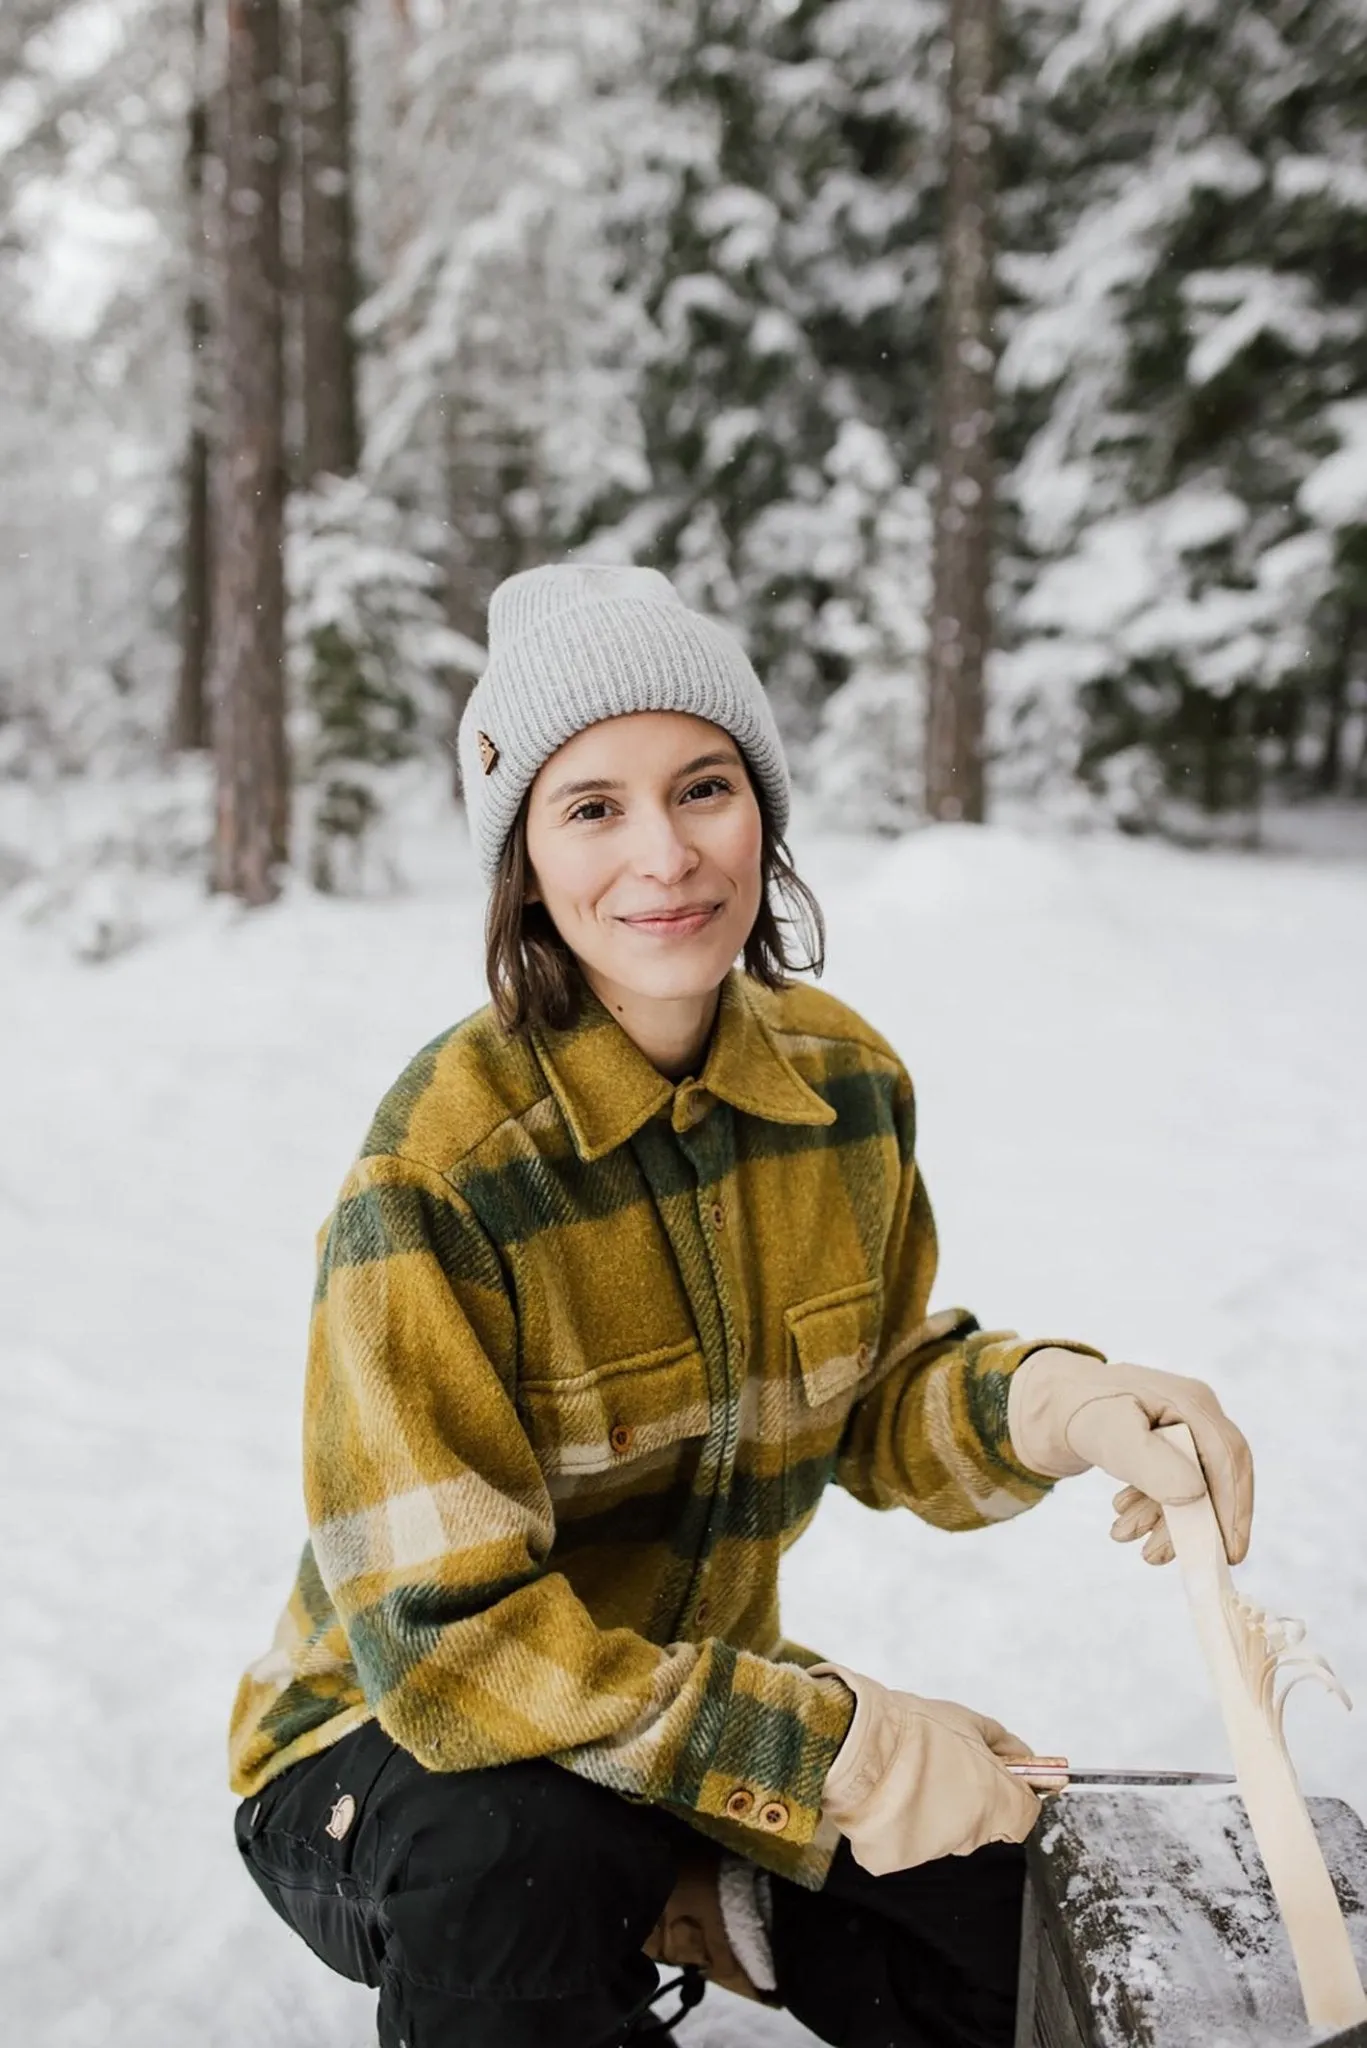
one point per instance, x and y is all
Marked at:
(500, 358)
(371, 657)
(1190, 350)
(92, 110)
(783, 247)
(356, 589)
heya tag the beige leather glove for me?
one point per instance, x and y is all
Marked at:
(1066, 1412)
(915, 1779)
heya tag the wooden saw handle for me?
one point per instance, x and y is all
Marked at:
(1248, 1652)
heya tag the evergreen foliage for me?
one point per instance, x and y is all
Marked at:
(372, 656)
(1192, 338)
(93, 380)
(657, 279)
(783, 252)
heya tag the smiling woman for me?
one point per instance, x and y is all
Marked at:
(633, 1263)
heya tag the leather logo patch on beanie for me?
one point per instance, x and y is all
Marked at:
(488, 752)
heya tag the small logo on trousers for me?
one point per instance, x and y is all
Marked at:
(341, 1817)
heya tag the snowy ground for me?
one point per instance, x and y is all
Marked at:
(1144, 1121)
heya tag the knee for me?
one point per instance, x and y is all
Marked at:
(524, 1882)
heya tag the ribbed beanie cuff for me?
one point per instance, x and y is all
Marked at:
(573, 643)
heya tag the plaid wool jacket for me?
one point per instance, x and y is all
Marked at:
(587, 1346)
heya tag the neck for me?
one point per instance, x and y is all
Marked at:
(672, 1031)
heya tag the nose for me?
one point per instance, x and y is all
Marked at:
(662, 851)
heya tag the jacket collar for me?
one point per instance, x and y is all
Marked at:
(607, 1088)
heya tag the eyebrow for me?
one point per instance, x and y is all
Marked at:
(722, 759)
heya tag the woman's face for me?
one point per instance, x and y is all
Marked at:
(643, 836)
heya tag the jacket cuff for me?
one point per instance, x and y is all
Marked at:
(775, 1730)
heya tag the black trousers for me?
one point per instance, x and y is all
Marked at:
(506, 1909)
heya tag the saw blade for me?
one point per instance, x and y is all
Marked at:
(1041, 1773)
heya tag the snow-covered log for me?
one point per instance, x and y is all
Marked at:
(1150, 1923)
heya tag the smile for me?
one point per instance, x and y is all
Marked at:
(678, 924)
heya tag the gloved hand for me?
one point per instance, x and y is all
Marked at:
(915, 1779)
(1066, 1412)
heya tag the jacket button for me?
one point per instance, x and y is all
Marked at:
(864, 1354)
(739, 1803)
(620, 1435)
(773, 1816)
(701, 1611)
(718, 1215)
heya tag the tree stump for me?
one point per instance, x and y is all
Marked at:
(1149, 1923)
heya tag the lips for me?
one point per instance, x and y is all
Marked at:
(678, 921)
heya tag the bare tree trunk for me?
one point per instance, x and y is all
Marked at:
(190, 712)
(327, 264)
(248, 693)
(960, 622)
(1329, 770)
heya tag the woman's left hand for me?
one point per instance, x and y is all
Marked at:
(1067, 1411)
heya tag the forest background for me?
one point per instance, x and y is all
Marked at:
(316, 319)
(1032, 387)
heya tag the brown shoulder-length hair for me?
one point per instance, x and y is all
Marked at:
(534, 978)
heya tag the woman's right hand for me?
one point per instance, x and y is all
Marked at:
(918, 1778)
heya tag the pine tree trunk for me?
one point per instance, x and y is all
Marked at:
(190, 712)
(190, 716)
(1329, 769)
(327, 261)
(960, 622)
(249, 606)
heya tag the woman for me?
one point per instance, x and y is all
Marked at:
(630, 1265)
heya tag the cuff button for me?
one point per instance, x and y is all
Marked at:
(773, 1816)
(739, 1803)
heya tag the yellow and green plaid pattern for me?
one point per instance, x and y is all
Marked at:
(587, 1346)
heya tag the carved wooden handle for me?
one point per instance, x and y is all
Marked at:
(1248, 1652)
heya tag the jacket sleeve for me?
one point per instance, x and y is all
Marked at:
(431, 1527)
(931, 1433)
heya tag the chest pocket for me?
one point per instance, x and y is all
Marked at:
(833, 1351)
(835, 1339)
(626, 1417)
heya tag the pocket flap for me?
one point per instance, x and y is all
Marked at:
(836, 1339)
(617, 1412)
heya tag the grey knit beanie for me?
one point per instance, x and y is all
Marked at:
(575, 642)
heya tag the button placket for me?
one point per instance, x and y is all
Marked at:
(659, 1150)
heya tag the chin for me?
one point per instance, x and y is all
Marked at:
(673, 980)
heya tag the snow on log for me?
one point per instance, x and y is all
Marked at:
(1150, 1923)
